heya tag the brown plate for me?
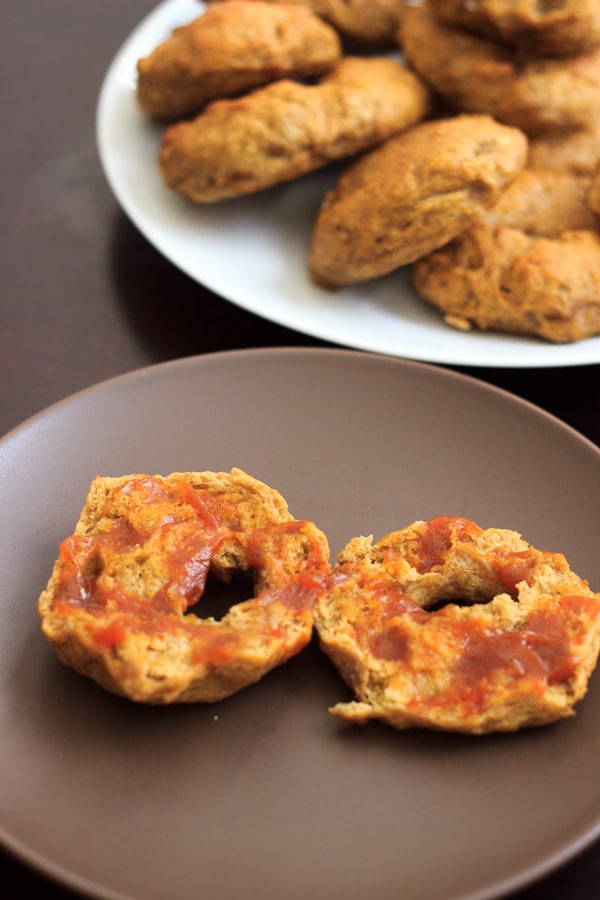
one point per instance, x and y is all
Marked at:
(265, 794)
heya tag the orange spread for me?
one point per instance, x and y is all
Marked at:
(185, 534)
(437, 538)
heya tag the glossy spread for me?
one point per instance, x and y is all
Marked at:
(447, 625)
(182, 528)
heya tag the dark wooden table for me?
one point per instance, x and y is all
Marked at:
(85, 297)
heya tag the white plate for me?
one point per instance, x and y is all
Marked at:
(252, 251)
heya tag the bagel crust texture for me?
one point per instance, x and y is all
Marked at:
(116, 607)
(231, 49)
(411, 195)
(564, 28)
(445, 625)
(593, 197)
(373, 22)
(545, 202)
(577, 151)
(499, 278)
(530, 265)
(285, 130)
(540, 95)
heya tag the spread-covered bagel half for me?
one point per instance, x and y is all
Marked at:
(446, 625)
(117, 606)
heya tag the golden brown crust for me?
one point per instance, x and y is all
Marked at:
(530, 265)
(572, 151)
(566, 28)
(544, 202)
(285, 130)
(445, 625)
(233, 48)
(373, 22)
(116, 605)
(542, 95)
(499, 278)
(593, 195)
(412, 195)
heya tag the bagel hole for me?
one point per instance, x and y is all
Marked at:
(456, 601)
(220, 596)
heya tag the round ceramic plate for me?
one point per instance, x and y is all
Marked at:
(266, 794)
(252, 251)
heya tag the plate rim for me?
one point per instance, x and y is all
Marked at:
(529, 874)
(194, 359)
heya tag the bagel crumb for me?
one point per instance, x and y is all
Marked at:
(458, 322)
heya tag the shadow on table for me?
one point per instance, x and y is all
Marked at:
(174, 316)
